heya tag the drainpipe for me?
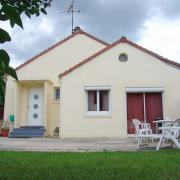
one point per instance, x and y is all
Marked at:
(60, 102)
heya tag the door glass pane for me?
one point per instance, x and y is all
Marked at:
(104, 100)
(92, 100)
(36, 97)
(35, 116)
(35, 106)
(57, 94)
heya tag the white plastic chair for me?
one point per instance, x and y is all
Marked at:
(144, 131)
(141, 128)
(176, 122)
(176, 133)
(172, 133)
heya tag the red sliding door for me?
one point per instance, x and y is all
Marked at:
(135, 109)
(153, 107)
(143, 106)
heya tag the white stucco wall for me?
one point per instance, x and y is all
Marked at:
(48, 67)
(141, 70)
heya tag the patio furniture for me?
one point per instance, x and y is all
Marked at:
(163, 122)
(171, 133)
(141, 128)
(176, 123)
(152, 136)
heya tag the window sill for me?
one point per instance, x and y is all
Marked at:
(56, 102)
(108, 115)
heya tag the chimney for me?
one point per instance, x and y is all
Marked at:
(76, 29)
(123, 39)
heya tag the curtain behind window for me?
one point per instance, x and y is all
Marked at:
(104, 100)
(92, 101)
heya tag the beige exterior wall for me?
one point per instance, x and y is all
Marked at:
(141, 70)
(46, 68)
(21, 101)
(9, 107)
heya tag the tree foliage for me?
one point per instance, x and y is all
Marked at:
(11, 10)
(2, 90)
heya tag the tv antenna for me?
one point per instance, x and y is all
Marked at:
(72, 11)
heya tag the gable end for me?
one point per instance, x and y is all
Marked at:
(59, 43)
(121, 40)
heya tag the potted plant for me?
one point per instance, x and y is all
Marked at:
(5, 129)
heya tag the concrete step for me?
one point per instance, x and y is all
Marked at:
(25, 136)
(27, 131)
(32, 127)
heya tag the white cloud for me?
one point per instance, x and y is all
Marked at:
(162, 36)
(46, 26)
(6, 26)
(32, 32)
(105, 19)
(29, 41)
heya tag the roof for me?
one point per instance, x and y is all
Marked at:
(121, 40)
(59, 43)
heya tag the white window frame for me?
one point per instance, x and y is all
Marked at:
(97, 113)
(144, 89)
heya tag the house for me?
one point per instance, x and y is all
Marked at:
(90, 89)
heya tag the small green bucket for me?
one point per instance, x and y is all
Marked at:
(11, 118)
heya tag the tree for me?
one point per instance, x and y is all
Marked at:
(11, 10)
(2, 90)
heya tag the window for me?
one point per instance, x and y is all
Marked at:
(104, 100)
(98, 102)
(56, 93)
(92, 100)
(123, 57)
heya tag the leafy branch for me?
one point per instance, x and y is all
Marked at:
(11, 10)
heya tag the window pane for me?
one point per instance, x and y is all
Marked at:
(92, 101)
(57, 93)
(104, 100)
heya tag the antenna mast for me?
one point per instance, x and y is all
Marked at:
(72, 11)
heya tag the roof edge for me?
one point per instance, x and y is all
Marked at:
(166, 60)
(59, 43)
(123, 39)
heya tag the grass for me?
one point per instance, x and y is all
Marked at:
(90, 165)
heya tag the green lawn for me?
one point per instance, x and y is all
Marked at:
(94, 165)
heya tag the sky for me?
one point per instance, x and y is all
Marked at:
(153, 24)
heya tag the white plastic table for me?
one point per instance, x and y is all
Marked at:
(163, 122)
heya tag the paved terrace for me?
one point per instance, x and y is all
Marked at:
(56, 144)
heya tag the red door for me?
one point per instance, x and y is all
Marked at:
(154, 107)
(135, 109)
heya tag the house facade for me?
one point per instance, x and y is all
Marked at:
(90, 89)
(34, 100)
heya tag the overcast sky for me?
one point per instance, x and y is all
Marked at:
(154, 24)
